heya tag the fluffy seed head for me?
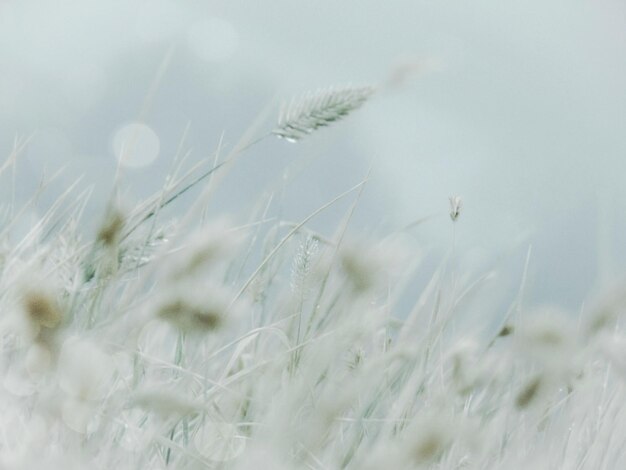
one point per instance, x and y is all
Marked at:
(111, 229)
(42, 309)
(187, 316)
(201, 308)
(529, 392)
(84, 370)
(429, 440)
(206, 247)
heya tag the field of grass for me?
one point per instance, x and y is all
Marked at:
(188, 342)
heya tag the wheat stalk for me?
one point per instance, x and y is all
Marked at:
(319, 109)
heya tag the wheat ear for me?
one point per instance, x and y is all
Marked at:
(318, 109)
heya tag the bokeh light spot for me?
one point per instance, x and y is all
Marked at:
(136, 145)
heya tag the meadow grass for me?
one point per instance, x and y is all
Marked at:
(191, 342)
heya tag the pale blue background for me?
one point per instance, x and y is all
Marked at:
(519, 107)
